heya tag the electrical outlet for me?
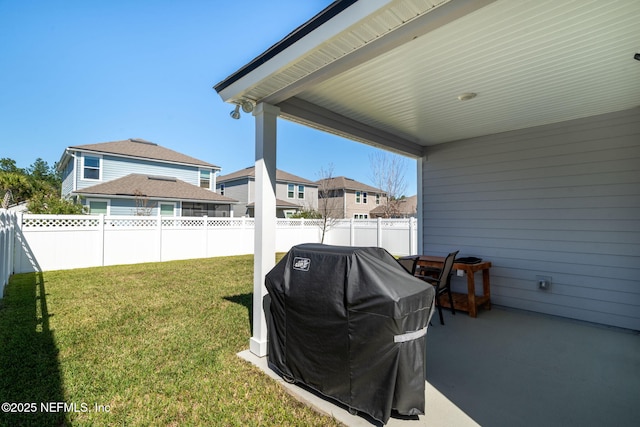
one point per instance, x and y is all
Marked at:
(544, 282)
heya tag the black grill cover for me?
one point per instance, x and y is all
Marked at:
(351, 324)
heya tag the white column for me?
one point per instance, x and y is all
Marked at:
(265, 216)
(422, 164)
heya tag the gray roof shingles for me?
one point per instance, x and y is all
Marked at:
(137, 185)
(140, 148)
(250, 172)
(342, 182)
(279, 204)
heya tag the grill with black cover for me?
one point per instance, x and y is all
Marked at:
(350, 323)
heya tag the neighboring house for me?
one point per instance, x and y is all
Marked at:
(139, 177)
(405, 207)
(348, 198)
(293, 193)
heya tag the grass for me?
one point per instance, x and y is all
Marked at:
(145, 344)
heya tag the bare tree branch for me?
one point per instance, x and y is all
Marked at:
(388, 174)
(327, 200)
(143, 206)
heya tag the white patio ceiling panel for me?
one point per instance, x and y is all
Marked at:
(531, 63)
(374, 26)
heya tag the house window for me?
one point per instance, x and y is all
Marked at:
(205, 179)
(91, 168)
(291, 191)
(167, 209)
(222, 189)
(97, 207)
(358, 197)
(300, 191)
(377, 199)
(360, 216)
(364, 197)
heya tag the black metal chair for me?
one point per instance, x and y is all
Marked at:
(409, 263)
(443, 283)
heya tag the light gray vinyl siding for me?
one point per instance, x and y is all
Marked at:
(128, 206)
(67, 178)
(238, 190)
(561, 200)
(118, 167)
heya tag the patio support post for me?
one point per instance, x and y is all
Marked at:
(421, 165)
(265, 218)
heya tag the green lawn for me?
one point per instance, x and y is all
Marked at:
(145, 344)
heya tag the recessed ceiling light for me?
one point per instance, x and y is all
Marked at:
(467, 96)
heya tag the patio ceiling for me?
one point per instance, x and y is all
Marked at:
(389, 73)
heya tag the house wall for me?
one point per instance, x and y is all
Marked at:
(128, 206)
(353, 208)
(244, 191)
(310, 200)
(333, 207)
(561, 200)
(67, 178)
(238, 190)
(117, 167)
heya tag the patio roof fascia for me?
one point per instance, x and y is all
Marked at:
(327, 24)
(322, 17)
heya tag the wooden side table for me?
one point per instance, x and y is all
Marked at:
(469, 302)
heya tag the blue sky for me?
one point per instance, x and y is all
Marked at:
(81, 72)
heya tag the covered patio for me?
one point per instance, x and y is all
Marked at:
(517, 368)
(524, 119)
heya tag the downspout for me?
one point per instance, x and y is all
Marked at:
(74, 172)
(421, 164)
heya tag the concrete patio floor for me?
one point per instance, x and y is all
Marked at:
(515, 368)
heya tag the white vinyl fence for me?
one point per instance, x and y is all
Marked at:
(8, 227)
(56, 242)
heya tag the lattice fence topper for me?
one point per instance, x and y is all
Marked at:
(298, 223)
(51, 221)
(131, 222)
(182, 222)
(92, 222)
(230, 222)
(397, 223)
